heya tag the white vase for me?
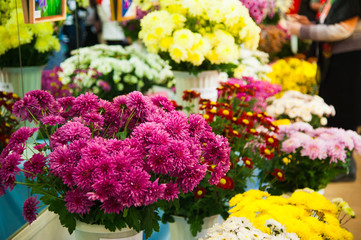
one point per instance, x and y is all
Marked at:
(31, 79)
(180, 229)
(206, 83)
(84, 231)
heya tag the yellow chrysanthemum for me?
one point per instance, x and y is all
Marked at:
(184, 38)
(178, 53)
(196, 58)
(165, 43)
(178, 20)
(195, 7)
(43, 44)
(296, 213)
(42, 29)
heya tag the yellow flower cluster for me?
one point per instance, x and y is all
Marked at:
(294, 74)
(194, 30)
(41, 34)
(308, 214)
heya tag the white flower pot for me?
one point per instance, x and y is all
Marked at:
(31, 78)
(206, 83)
(180, 229)
(84, 231)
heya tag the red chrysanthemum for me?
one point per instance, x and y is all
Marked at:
(199, 192)
(226, 183)
(279, 175)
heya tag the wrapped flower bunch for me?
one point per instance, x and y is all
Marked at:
(295, 74)
(306, 213)
(253, 63)
(109, 71)
(297, 107)
(37, 40)
(51, 83)
(110, 163)
(197, 36)
(239, 228)
(310, 157)
(8, 123)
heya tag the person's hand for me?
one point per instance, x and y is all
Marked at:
(298, 18)
(293, 28)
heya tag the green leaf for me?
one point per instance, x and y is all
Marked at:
(109, 222)
(150, 221)
(196, 223)
(133, 219)
(119, 221)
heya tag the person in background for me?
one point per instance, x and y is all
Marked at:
(339, 61)
(93, 25)
(112, 32)
(309, 8)
(74, 22)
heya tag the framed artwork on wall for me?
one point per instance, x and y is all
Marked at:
(36, 11)
(122, 10)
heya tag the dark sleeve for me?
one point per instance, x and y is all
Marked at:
(342, 10)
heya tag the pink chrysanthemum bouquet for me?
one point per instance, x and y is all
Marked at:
(110, 163)
(311, 158)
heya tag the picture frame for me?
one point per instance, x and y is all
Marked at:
(37, 11)
(122, 10)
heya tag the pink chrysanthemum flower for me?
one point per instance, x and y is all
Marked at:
(336, 150)
(30, 208)
(171, 192)
(315, 149)
(35, 165)
(69, 132)
(290, 145)
(22, 108)
(77, 202)
(53, 120)
(162, 102)
(9, 166)
(86, 103)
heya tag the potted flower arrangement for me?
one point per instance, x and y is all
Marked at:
(252, 140)
(109, 71)
(309, 157)
(110, 163)
(8, 123)
(239, 228)
(298, 107)
(199, 38)
(295, 74)
(306, 213)
(37, 43)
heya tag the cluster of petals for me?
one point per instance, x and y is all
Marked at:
(132, 151)
(320, 143)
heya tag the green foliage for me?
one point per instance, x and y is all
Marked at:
(301, 172)
(139, 218)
